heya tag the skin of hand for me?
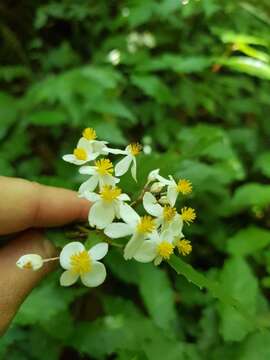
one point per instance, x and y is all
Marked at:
(25, 208)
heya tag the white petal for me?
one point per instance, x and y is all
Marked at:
(101, 214)
(134, 169)
(85, 144)
(158, 260)
(68, 278)
(118, 230)
(147, 252)
(96, 276)
(124, 197)
(152, 176)
(89, 185)
(172, 194)
(69, 250)
(133, 245)
(166, 235)
(151, 205)
(90, 196)
(73, 160)
(98, 251)
(88, 170)
(30, 261)
(129, 215)
(108, 180)
(123, 165)
(163, 180)
(100, 147)
(116, 151)
(176, 226)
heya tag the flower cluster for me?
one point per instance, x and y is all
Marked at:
(152, 236)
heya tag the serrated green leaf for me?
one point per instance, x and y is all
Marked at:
(157, 294)
(238, 280)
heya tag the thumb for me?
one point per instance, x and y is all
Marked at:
(15, 283)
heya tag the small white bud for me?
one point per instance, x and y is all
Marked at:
(157, 187)
(114, 57)
(30, 261)
(149, 39)
(163, 200)
(153, 175)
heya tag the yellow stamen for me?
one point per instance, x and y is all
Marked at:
(146, 225)
(109, 193)
(165, 250)
(104, 166)
(81, 263)
(184, 186)
(184, 247)
(89, 134)
(188, 214)
(168, 213)
(135, 148)
(80, 154)
(28, 265)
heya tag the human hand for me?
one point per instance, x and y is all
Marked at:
(26, 207)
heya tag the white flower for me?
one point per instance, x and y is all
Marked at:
(83, 153)
(167, 216)
(106, 205)
(159, 247)
(182, 186)
(30, 261)
(101, 174)
(138, 227)
(123, 165)
(88, 148)
(84, 264)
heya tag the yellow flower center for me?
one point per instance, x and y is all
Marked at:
(109, 193)
(188, 214)
(184, 247)
(81, 263)
(168, 213)
(89, 134)
(165, 250)
(135, 149)
(146, 225)
(28, 265)
(184, 186)
(80, 154)
(104, 166)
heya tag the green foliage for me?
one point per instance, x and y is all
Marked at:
(191, 83)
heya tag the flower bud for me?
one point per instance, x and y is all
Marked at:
(30, 261)
(153, 175)
(163, 200)
(157, 187)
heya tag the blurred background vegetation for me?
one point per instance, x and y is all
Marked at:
(190, 81)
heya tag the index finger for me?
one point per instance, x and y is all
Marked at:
(25, 204)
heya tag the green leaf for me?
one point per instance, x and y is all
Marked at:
(47, 118)
(238, 280)
(248, 66)
(156, 291)
(248, 241)
(151, 85)
(176, 63)
(45, 302)
(256, 346)
(216, 289)
(249, 195)
(263, 163)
